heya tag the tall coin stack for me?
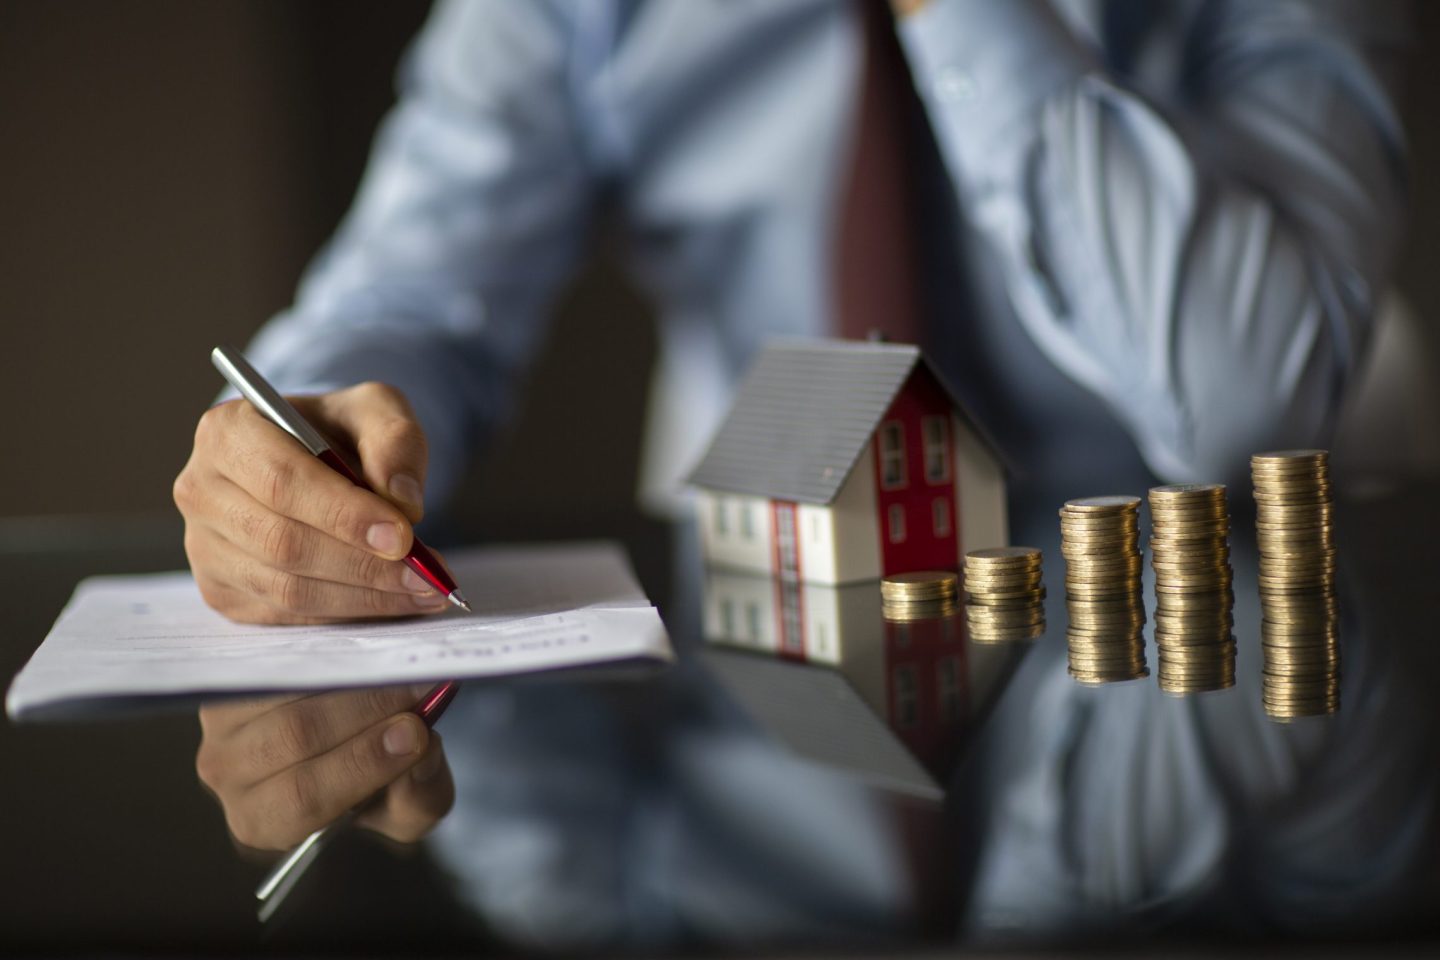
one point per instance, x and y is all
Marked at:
(1299, 630)
(1194, 602)
(1005, 594)
(918, 596)
(1100, 538)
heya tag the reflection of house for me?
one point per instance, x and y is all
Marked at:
(845, 461)
(922, 678)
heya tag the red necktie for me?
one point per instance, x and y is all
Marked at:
(876, 282)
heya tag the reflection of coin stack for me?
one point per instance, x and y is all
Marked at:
(1100, 538)
(918, 596)
(1299, 633)
(1190, 551)
(1004, 594)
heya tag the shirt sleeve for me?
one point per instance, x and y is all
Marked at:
(1205, 258)
(471, 213)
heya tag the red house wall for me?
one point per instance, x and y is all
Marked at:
(925, 715)
(921, 549)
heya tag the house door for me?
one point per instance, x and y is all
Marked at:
(790, 605)
(787, 540)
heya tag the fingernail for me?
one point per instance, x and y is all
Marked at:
(407, 488)
(415, 583)
(419, 690)
(385, 538)
(432, 602)
(426, 769)
(400, 739)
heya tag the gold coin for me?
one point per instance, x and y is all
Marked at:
(920, 579)
(919, 607)
(1117, 502)
(1005, 554)
(1188, 491)
(1098, 679)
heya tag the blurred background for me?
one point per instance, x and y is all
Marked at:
(167, 169)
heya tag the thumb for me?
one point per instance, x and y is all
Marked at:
(377, 421)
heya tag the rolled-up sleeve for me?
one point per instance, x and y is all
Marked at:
(471, 213)
(1205, 258)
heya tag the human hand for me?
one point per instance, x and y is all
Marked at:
(276, 536)
(283, 767)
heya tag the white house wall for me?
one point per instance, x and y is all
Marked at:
(856, 527)
(740, 610)
(980, 492)
(817, 543)
(740, 544)
(823, 639)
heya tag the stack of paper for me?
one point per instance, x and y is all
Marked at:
(126, 639)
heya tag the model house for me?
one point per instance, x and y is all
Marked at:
(844, 461)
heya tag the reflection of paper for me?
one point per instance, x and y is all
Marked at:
(536, 608)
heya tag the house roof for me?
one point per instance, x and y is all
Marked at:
(803, 415)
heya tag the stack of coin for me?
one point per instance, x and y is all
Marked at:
(1194, 602)
(919, 596)
(1299, 632)
(1005, 594)
(1100, 538)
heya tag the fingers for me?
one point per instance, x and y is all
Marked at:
(379, 425)
(279, 812)
(276, 536)
(284, 766)
(281, 543)
(259, 458)
(247, 591)
(261, 738)
(412, 805)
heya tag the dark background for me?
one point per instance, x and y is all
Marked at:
(167, 168)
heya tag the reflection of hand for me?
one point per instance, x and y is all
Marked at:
(284, 767)
(276, 536)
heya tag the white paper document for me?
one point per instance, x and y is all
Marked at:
(541, 607)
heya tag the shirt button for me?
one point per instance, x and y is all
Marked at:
(954, 85)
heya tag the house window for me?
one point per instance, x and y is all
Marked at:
(747, 521)
(722, 518)
(892, 455)
(907, 699)
(937, 449)
(940, 516)
(897, 523)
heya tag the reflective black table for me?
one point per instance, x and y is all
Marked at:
(109, 841)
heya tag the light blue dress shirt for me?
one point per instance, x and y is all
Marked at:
(1170, 223)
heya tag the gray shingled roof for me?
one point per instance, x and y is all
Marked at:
(803, 414)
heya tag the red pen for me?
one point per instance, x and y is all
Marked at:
(275, 408)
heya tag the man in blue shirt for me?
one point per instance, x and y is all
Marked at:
(1162, 231)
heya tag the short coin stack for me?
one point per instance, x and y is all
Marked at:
(1190, 551)
(1299, 632)
(924, 595)
(1005, 594)
(1100, 538)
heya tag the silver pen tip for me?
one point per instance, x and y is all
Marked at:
(454, 597)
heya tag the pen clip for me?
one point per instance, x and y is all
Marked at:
(253, 387)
